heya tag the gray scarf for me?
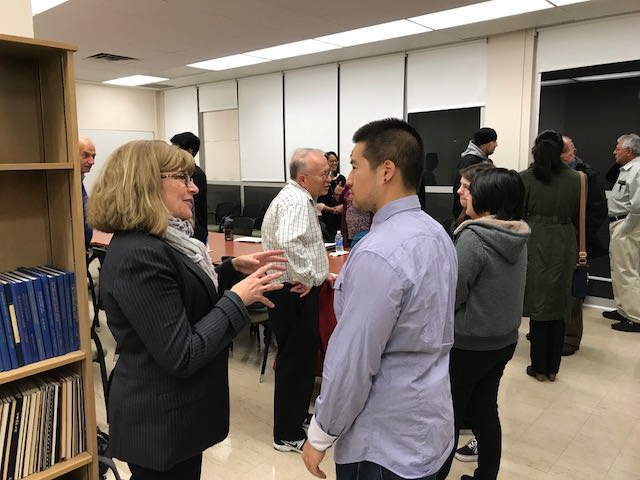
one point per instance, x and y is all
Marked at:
(179, 236)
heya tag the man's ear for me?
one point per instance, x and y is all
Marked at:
(388, 169)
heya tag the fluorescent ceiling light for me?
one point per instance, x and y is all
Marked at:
(294, 49)
(374, 33)
(479, 12)
(225, 63)
(39, 6)
(607, 76)
(135, 80)
(559, 3)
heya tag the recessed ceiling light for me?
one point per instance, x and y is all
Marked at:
(135, 80)
(374, 33)
(479, 12)
(294, 49)
(39, 6)
(225, 63)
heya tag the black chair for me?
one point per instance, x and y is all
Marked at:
(259, 315)
(255, 211)
(243, 226)
(98, 351)
(226, 210)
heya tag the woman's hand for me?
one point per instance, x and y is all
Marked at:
(253, 288)
(248, 264)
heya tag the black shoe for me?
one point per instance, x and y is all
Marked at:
(568, 349)
(468, 453)
(626, 326)
(528, 336)
(538, 376)
(466, 477)
(289, 445)
(614, 315)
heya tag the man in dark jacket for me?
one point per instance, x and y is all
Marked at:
(483, 144)
(595, 217)
(189, 142)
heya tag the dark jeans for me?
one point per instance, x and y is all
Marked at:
(475, 379)
(187, 470)
(369, 471)
(546, 338)
(294, 321)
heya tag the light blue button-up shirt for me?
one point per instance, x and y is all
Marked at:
(385, 394)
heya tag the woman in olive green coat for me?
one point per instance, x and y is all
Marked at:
(552, 193)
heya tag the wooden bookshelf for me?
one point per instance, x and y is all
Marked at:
(41, 201)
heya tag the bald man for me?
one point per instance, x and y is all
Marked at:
(87, 159)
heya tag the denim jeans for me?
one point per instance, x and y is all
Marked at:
(369, 471)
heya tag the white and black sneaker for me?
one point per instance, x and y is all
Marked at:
(289, 445)
(468, 453)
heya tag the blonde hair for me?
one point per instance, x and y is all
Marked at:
(128, 193)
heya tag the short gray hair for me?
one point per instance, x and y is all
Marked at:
(298, 161)
(630, 141)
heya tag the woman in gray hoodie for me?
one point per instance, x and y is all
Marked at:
(492, 262)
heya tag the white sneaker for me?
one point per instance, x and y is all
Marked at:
(289, 445)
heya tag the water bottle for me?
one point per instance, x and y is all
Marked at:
(228, 229)
(339, 242)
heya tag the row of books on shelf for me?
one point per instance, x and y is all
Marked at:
(41, 423)
(38, 315)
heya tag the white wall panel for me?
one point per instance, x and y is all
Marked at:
(447, 77)
(370, 89)
(218, 96)
(311, 109)
(260, 115)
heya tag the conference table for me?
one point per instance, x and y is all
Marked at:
(219, 249)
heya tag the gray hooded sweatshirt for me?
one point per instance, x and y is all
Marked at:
(492, 266)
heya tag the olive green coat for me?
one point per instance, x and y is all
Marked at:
(551, 210)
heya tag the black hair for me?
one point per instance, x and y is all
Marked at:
(546, 155)
(328, 154)
(186, 141)
(393, 139)
(500, 192)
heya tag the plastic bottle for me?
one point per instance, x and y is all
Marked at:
(339, 242)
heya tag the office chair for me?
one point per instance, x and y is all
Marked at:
(243, 226)
(259, 315)
(226, 210)
(254, 211)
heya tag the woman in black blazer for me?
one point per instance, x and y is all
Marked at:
(171, 313)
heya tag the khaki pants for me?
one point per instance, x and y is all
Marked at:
(624, 252)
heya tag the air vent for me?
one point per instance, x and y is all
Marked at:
(110, 57)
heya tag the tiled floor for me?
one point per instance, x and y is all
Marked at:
(586, 425)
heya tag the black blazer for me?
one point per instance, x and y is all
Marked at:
(169, 397)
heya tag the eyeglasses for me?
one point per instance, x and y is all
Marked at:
(323, 176)
(185, 177)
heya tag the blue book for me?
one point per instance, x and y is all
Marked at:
(5, 322)
(30, 310)
(49, 292)
(20, 332)
(63, 305)
(38, 286)
(8, 323)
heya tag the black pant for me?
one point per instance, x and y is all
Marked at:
(294, 322)
(475, 379)
(186, 470)
(546, 338)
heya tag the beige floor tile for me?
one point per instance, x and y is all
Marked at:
(584, 426)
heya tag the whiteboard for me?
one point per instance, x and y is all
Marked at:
(106, 141)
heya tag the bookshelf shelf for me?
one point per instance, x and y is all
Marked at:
(17, 167)
(42, 366)
(41, 211)
(62, 468)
